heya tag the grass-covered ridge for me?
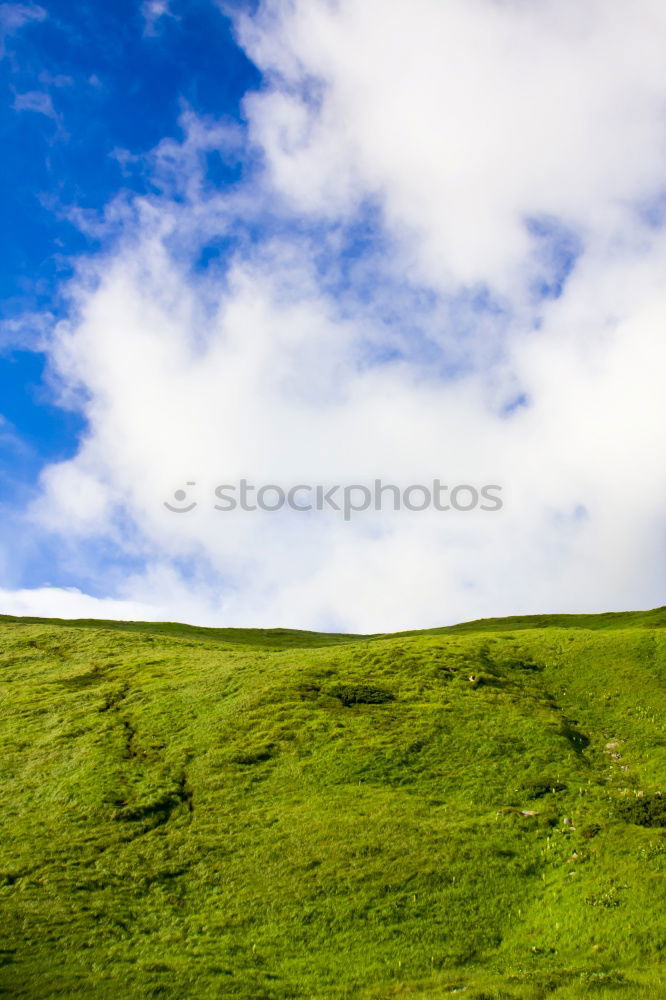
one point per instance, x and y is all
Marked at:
(199, 813)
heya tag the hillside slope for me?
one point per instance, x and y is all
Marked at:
(194, 813)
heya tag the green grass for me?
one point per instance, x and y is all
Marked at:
(218, 813)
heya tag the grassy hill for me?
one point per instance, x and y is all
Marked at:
(213, 813)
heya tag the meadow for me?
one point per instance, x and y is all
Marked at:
(277, 815)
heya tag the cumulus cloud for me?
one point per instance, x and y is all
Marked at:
(445, 262)
(466, 119)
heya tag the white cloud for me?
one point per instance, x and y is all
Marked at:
(13, 16)
(54, 602)
(464, 118)
(57, 80)
(152, 12)
(461, 122)
(35, 100)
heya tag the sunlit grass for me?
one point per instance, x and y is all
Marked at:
(193, 813)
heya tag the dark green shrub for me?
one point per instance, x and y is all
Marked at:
(577, 741)
(155, 811)
(249, 757)
(648, 810)
(525, 665)
(546, 786)
(360, 694)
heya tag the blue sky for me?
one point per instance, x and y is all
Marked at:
(302, 239)
(81, 86)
